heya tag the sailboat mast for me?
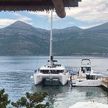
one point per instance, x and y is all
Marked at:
(51, 56)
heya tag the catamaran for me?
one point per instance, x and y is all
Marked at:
(52, 73)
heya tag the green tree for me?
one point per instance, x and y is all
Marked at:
(3, 99)
(32, 100)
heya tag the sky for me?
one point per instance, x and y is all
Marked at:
(89, 13)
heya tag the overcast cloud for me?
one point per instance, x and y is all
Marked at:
(89, 13)
(92, 11)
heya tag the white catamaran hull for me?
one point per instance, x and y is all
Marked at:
(62, 78)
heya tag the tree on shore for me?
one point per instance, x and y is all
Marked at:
(30, 100)
(4, 101)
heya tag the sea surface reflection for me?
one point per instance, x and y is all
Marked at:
(65, 96)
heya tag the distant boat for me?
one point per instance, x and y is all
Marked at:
(86, 75)
(52, 73)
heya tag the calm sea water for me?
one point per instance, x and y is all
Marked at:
(15, 75)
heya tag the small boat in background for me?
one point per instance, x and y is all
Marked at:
(86, 75)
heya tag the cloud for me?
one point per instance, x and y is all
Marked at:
(45, 14)
(87, 10)
(20, 17)
(88, 14)
(14, 16)
(5, 22)
(90, 11)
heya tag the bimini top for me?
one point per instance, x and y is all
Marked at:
(38, 5)
(86, 62)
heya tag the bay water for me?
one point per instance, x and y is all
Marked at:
(15, 73)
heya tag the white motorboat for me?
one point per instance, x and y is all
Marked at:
(86, 75)
(52, 73)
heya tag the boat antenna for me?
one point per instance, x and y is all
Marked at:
(51, 56)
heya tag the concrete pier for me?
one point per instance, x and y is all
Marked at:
(105, 83)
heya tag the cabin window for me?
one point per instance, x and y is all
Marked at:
(88, 68)
(84, 69)
(57, 71)
(90, 77)
(44, 71)
(51, 71)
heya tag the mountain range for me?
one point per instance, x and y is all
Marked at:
(21, 38)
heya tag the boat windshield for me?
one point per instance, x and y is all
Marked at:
(51, 71)
(84, 69)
